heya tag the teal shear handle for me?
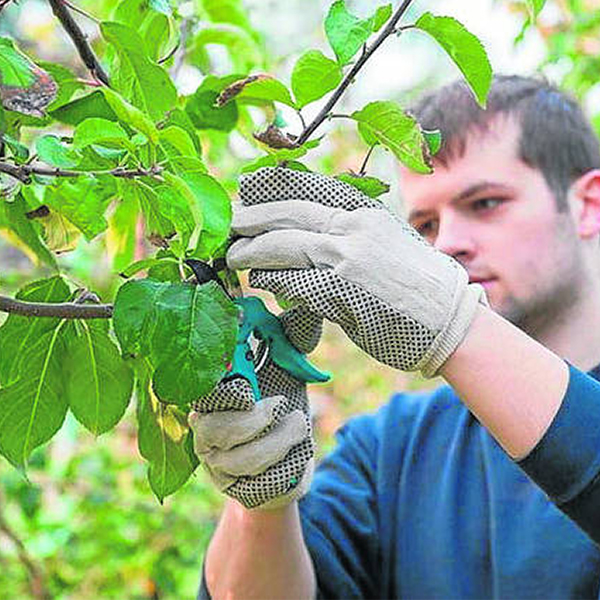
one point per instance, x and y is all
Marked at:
(266, 327)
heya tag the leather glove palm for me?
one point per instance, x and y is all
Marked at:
(260, 453)
(322, 244)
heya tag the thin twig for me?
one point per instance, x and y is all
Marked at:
(36, 582)
(76, 9)
(179, 55)
(23, 172)
(299, 112)
(59, 8)
(61, 310)
(363, 168)
(386, 32)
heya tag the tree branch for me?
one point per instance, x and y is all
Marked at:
(62, 13)
(363, 168)
(23, 172)
(61, 310)
(388, 30)
(36, 582)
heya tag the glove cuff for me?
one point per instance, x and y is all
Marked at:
(455, 329)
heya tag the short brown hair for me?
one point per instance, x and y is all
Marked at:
(556, 137)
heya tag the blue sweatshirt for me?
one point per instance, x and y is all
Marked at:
(419, 501)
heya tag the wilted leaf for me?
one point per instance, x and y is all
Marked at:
(256, 87)
(397, 131)
(313, 76)
(273, 137)
(24, 87)
(464, 48)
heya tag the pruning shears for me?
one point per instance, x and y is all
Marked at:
(260, 336)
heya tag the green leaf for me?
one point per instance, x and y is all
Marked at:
(434, 140)
(271, 161)
(201, 109)
(227, 11)
(396, 130)
(18, 333)
(130, 115)
(371, 186)
(313, 76)
(99, 131)
(145, 264)
(187, 331)
(121, 233)
(149, 202)
(181, 119)
(243, 48)
(216, 212)
(175, 141)
(345, 32)
(464, 48)
(27, 232)
(18, 150)
(52, 151)
(16, 70)
(382, 14)
(99, 383)
(165, 441)
(535, 7)
(33, 408)
(82, 202)
(92, 105)
(145, 84)
(178, 204)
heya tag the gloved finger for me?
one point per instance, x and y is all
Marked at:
(226, 429)
(291, 214)
(229, 394)
(271, 184)
(221, 480)
(302, 327)
(258, 455)
(286, 249)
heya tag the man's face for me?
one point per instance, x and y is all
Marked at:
(498, 218)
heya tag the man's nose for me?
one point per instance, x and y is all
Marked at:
(455, 238)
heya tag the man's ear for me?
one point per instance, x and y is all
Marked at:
(585, 196)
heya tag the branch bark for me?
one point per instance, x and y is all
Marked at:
(388, 30)
(23, 172)
(61, 310)
(62, 13)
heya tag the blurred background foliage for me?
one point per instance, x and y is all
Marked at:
(86, 525)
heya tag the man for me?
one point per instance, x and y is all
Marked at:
(419, 500)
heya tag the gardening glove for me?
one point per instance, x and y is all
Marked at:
(260, 453)
(322, 244)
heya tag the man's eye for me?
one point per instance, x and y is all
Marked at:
(426, 229)
(486, 203)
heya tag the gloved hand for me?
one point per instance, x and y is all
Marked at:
(320, 243)
(260, 453)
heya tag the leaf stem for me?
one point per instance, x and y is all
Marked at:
(60, 10)
(76, 9)
(363, 168)
(388, 30)
(23, 172)
(61, 310)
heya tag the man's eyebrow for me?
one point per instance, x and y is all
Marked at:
(472, 190)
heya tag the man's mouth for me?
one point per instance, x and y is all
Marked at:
(486, 282)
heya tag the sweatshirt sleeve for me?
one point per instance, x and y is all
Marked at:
(566, 461)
